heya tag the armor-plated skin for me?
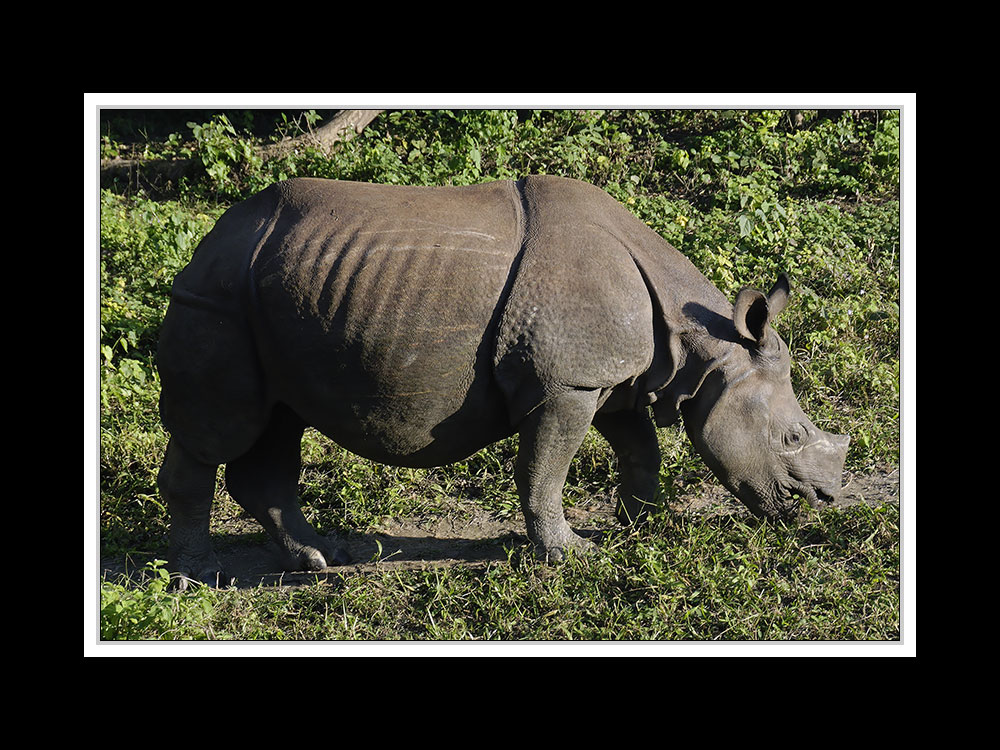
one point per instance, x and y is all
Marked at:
(415, 326)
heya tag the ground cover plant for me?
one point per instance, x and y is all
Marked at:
(745, 194)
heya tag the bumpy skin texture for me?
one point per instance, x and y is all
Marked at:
(415, 326)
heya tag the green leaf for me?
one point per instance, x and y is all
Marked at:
(745, 224)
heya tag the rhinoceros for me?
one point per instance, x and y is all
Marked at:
(416, 325)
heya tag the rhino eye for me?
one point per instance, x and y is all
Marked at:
(795, 436)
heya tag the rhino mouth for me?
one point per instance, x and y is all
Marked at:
(817, 497)
(786, 502)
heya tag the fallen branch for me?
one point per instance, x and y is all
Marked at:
(341, 127)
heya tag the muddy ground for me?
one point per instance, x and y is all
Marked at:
(465, 534)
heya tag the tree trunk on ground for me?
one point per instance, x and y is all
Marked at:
(341, 127)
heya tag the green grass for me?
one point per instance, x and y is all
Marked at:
(744, 194)
(832, 578)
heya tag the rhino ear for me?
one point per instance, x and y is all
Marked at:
(753, 312)
(750, 314)
(777, 298)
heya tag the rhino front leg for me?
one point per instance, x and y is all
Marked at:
(549, 438)
(632, 437)
(265, 482)
(188, 486)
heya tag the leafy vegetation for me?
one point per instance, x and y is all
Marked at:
(744, 194)
(152, 612)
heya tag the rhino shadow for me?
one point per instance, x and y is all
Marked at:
(718, 326)
(253, 563)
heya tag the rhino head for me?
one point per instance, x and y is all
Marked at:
(744, 420)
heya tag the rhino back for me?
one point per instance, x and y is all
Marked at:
(374, 310)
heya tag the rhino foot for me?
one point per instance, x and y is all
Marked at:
(633, 511)
(208, 572)
(321, 553)
(571, 544)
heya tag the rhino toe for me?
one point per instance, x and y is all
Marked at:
(323, 554)
(559, 552)
(212, 576)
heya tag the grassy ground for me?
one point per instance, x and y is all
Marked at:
(834, 577)
(744, 194)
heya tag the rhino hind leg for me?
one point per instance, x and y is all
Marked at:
(188, 485)
(632, 437)
(549, 438)
(265, 482)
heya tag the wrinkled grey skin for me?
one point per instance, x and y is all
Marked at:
(415, 326)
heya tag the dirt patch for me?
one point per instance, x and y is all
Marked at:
(466, 534)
